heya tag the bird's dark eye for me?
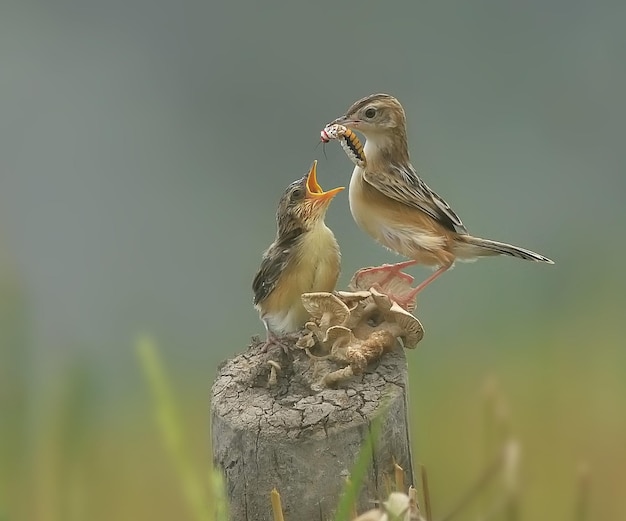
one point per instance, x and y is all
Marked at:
(370, 113)
(296, 194)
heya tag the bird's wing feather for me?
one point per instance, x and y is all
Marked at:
(406, 187)
(274, 263)
(269, 272)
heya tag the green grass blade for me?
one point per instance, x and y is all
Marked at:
(170, 425)
(353, 485)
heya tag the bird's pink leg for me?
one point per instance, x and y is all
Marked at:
(411, 296)
(401, 293)
(272, 340)
(392, 270)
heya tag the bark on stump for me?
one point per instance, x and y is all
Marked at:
(303, 438)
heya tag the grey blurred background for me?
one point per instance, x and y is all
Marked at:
(143, 149)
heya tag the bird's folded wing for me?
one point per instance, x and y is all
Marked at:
(406, 187)
(272, 266)
(275, 261)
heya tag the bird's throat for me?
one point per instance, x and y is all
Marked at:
(386, 148)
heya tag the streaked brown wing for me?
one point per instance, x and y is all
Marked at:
(273, 264)
(406, 187)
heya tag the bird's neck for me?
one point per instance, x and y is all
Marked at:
(385, 148)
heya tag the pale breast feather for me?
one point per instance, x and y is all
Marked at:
(409, 240)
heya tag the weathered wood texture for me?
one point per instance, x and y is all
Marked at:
(303, 438)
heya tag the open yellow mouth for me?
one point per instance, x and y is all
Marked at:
(314, 190)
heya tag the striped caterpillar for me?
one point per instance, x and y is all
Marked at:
(349, 142)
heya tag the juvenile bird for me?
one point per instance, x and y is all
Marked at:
(303, 258)
(390, 202)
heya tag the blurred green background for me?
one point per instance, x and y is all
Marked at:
(143, 149)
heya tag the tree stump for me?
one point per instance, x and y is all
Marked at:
(287, 430)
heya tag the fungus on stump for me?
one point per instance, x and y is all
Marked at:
(297, 421)
(304, 439)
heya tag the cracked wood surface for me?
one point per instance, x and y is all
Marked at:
(302, 437)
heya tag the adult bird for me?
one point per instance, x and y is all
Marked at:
(303, 258)
(390, 201)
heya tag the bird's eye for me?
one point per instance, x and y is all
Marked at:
(296, 194)
(370, 113)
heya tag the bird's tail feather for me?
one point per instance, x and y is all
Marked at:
(475, 246)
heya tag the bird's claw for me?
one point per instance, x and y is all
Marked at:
(390, 280)
(273, 341)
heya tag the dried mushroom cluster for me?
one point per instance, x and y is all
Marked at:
(357, 327)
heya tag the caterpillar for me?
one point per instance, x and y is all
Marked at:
(349, 142)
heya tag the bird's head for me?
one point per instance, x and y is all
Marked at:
(381, 119)
(375, 115)
(304, 203)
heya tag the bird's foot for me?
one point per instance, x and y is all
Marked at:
(386, 273)
(405, 299)
(285, 342)
(390, 280)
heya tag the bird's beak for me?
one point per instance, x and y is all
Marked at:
(346, 122)
(314, 190)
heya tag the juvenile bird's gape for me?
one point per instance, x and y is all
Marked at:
(303, 258)
(391, 203)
